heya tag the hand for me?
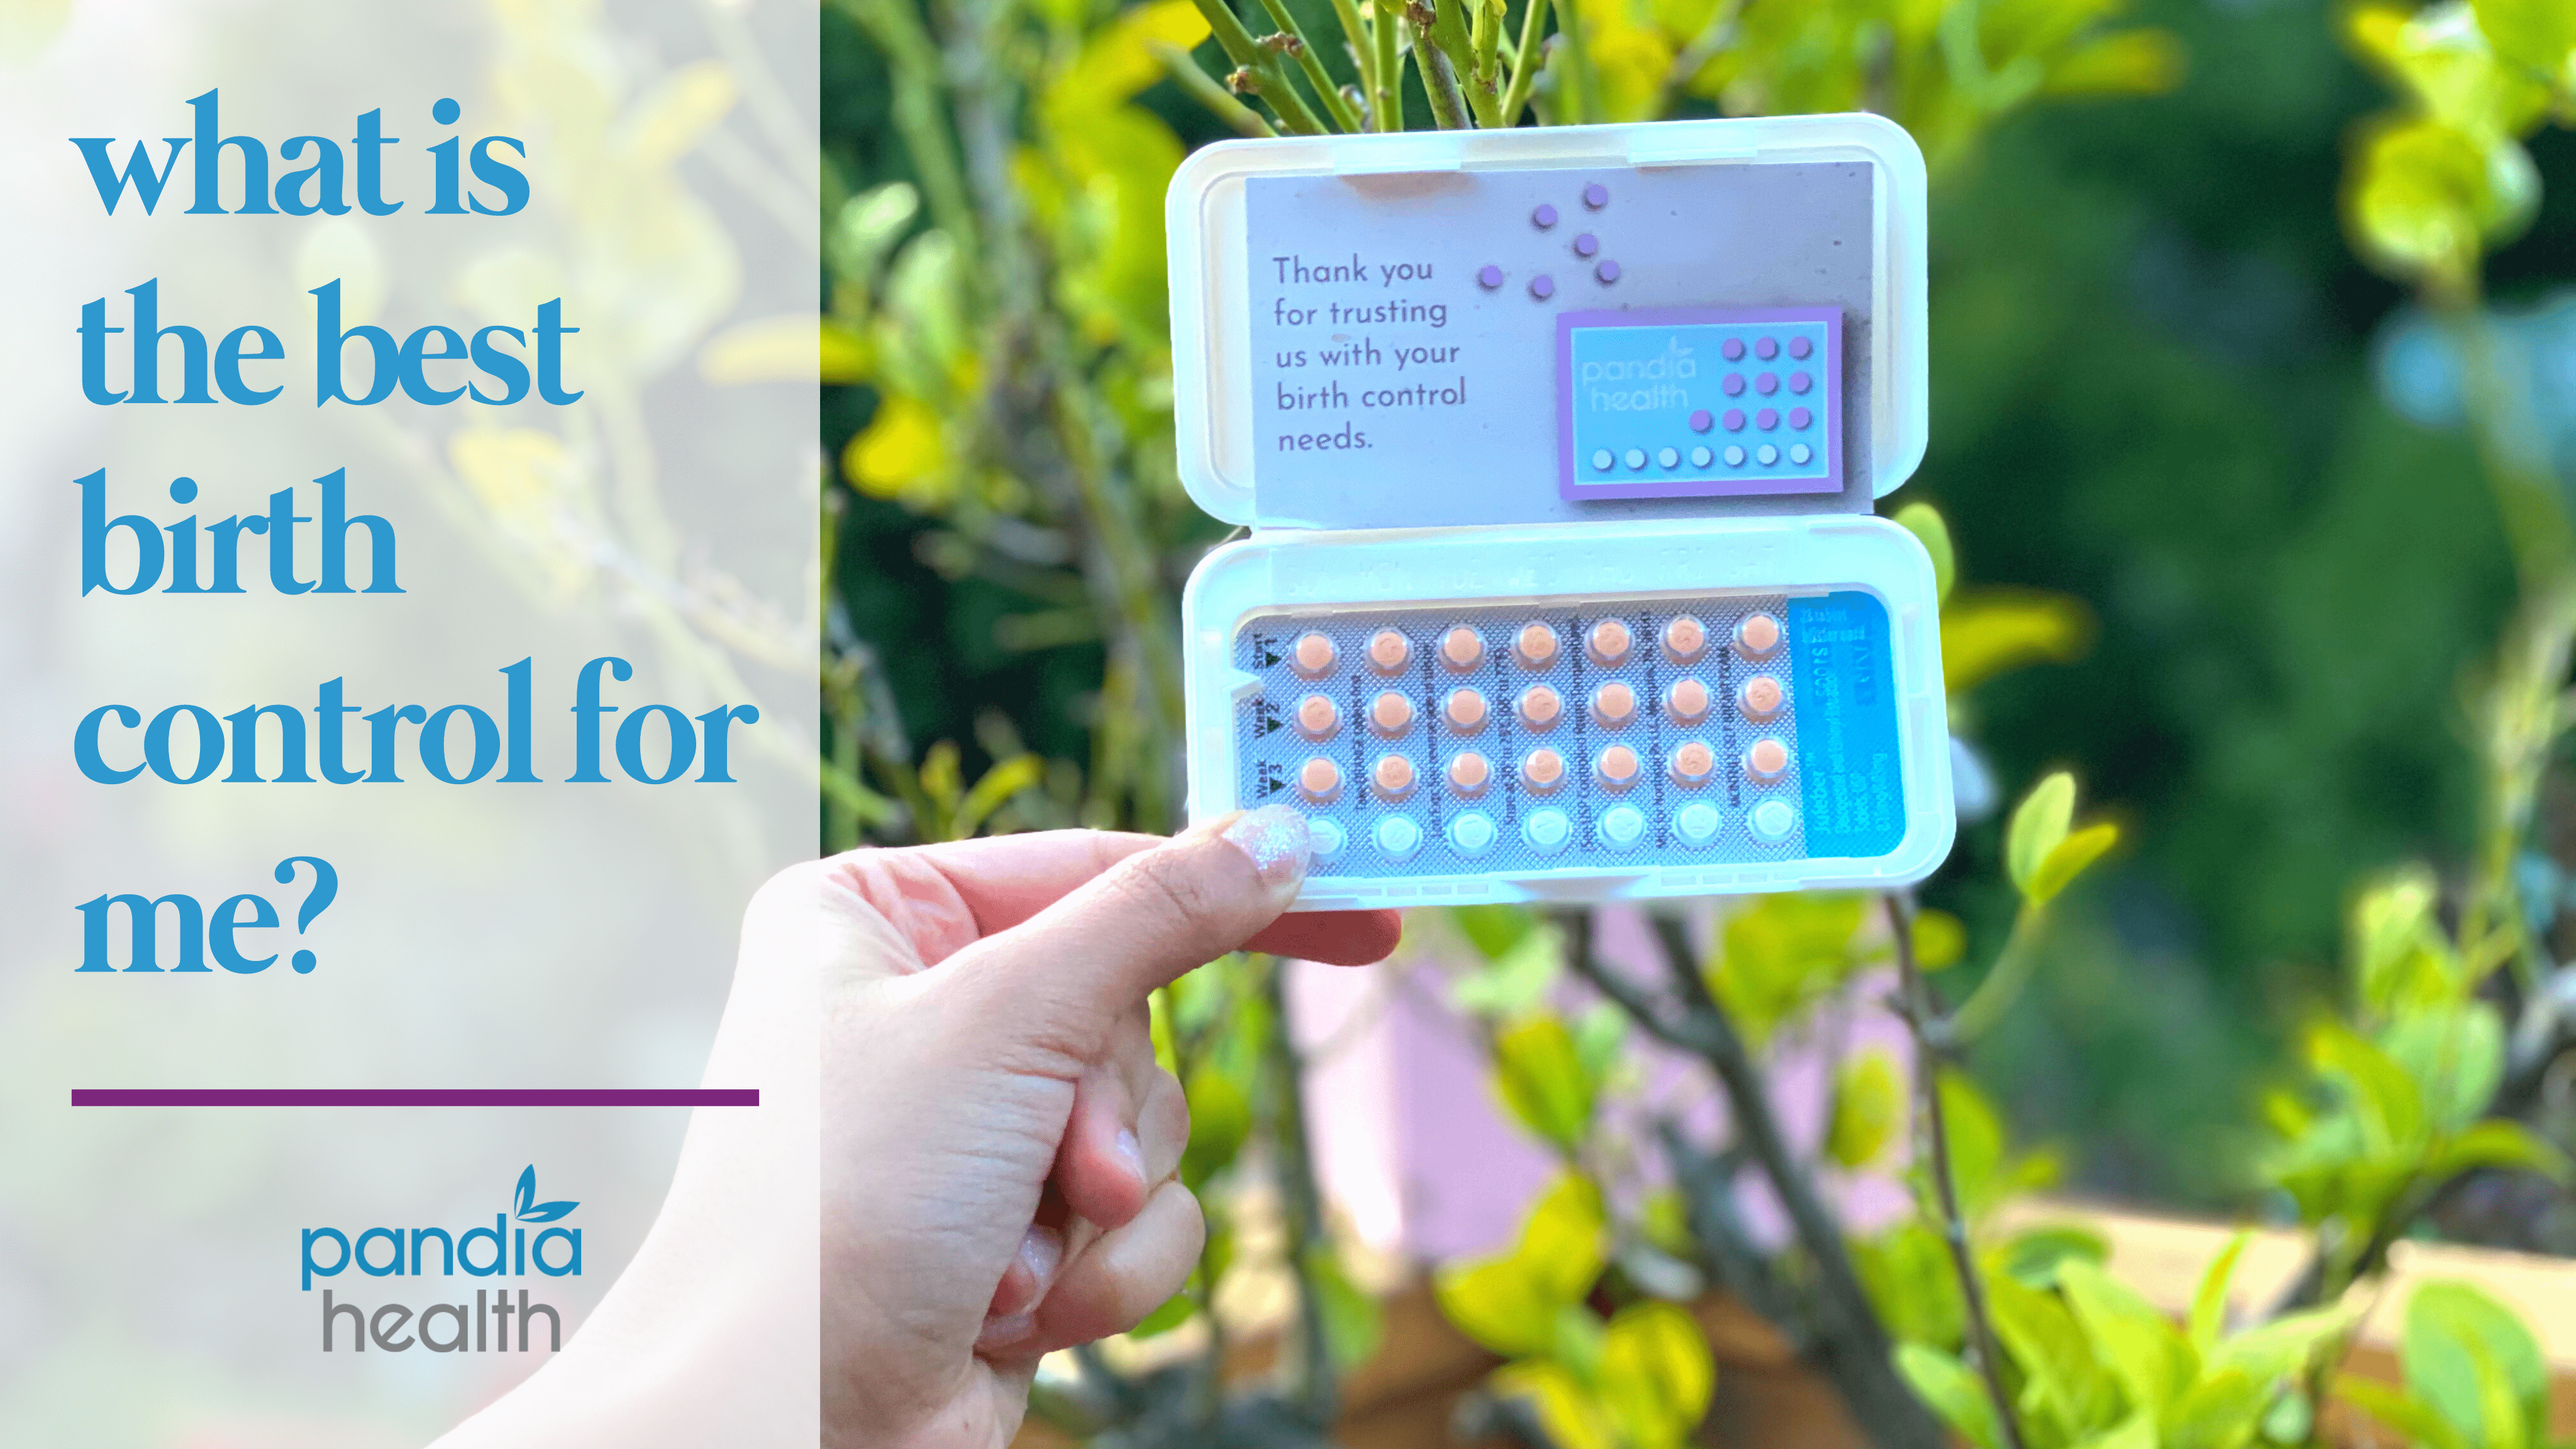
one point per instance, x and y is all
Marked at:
(998, 1142)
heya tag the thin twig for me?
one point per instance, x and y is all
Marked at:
(1933, 1126)
(1525, 62)
(1204, 89)
(1312, 62)
(1305, 1208)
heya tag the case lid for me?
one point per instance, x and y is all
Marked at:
(1444, 328)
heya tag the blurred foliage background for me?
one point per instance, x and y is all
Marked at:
(2157, 388)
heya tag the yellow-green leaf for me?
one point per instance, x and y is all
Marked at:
(1565, 1409)
(1656, 1374)
(1541, 1077)
(2536, 35)
(2209, 1304)
(1496, 1302)
(2123, 63)
(1869, 1108)
(2154, 1362)
(1564, 1239)
(2409, 1416)
(1940, 940)
(1990, 631)
(1953, 1391)
(2071, 857)
(1220, 1118)
(2039, 824)
(1933, 532)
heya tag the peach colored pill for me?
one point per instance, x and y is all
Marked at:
(1684, 639)
(1465, 710)
(1608, 643)
(1693, 763)
(1536, 646)
(1543, 769)
(1462, 648)
(1469, 772)
(1758, 635)
(1390, 714)
(1686, 701)
(1387, 651)
(1616, 768)
(1766, 759)
(1540, 704)
(1317, 717)
(1614, 704)
(1319, 779)
(1760, 696)
(1393, 776)
(1312, 655)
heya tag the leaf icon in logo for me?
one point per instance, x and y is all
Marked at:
(528, 1209)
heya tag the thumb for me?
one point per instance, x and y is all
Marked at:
(1067, 974)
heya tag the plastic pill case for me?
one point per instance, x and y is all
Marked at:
(1558, 450)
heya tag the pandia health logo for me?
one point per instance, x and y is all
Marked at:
(503, 1250)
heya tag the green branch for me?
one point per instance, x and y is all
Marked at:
(1344, 118)
(1525, 63)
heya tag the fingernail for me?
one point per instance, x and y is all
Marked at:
(1131, 1152)
(1275, 837)
(1041, 1250)
(1000, 1333)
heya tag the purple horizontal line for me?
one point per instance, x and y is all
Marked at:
(414, 1097)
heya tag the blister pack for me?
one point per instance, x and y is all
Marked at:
(1557, 450)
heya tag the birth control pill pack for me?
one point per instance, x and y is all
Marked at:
(1557, 452)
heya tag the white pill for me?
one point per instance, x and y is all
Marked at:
(1700, 457)
(1773, 819)
(1398, 836)
(1326, 837)
(1698, 822)
(1670, 457)
(1768, 456)
(1800, 452)
(1472, 832)
(1636, 458)
(1602, 461)
(1622, 826)
(1734, 455)
(1547, 830)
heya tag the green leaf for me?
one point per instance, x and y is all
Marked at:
(2282, 1346)
(2154, 1362)
(1940, 940)
(1869, 1108)
(2473, 1361)
(2138, 1431)
(2412, 1417)
(1976, 1133)
(2455, 1053)
(2394, 945)
(1565, 1408)
(1933, 532)
(2500, 1143)
(2072, 857)
(2209, 1304)
(1910, 1281)
(1656, 1374)
(1783, 954)
(2039, 824)
(2063, 1377)
(1354, 1322)
(993, 790)
(1496, 1302)
(1494, 930)
(1542, 1079)
(2384, 1098)
(2222, 1411)
(1990, 631)
(2035, 1255)
(1176, 1310)
(1565, 1239)
(1953, 1391)
(1516, 980)
(2537, 35)
(1220, 1119)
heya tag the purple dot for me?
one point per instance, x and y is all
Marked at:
(1734, 420)
(1767, 384)
(1586, 244)
(1800, 417)
(1799, 347)
(1799, 382)
(1608, 271)
(1767, 419)
(1734, 349)
(1766, 349)
(1490, 277)
(1542, 286)
(1596, 196)
(1544, 217)
(1700, 421)
(1734, 384)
